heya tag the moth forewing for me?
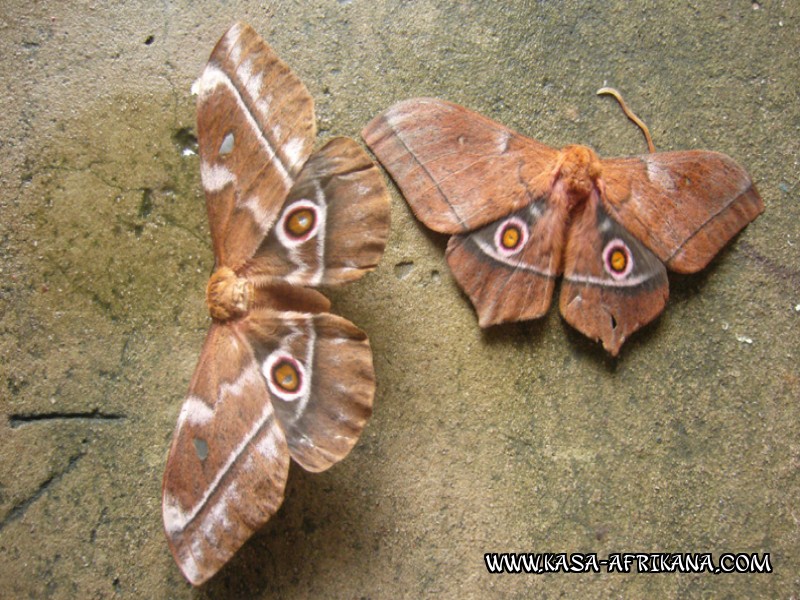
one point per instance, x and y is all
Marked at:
(685, 206)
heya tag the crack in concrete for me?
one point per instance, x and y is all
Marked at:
(21, 508)
(21, 419)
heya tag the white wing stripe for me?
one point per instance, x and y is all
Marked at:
(212, 78)
(511, 261)
(176, 519)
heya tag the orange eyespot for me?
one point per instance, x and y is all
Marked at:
(300, 222)
(285, 376)
(618, 261)
(511, 237)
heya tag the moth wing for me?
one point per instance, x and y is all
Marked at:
(684, 206)
(333, 225)
(320, 380)
(228, 462)
(457, 169)
(613, 284)
(256, 128)
(508, 268)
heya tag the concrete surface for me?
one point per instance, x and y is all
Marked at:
(523, 438)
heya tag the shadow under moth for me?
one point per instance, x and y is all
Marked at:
(522, 214)
(278, 375)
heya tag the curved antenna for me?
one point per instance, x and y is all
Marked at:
(629, 113)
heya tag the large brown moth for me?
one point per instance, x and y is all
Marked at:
(278, 375)
(521, 214)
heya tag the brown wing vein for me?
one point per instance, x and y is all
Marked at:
(706, 222)
(454, 173)
(430, 176)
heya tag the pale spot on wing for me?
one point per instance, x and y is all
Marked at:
(195, 412)
(304, 440)
(659, 175)
(502, 142)
(268, 446)
(174, 515)
(245, 71)
(209, 79)
(262, 105)
(252, 81)
(398, 115)
(248, 464)
(253, 85)
(201, 447)
(293, 149)
(576, 301)
(195, 552)
(230, 41)
(226, 147)
(190, 568)
(260, 215)
(215, 177)
(248, 376)
(298, 278)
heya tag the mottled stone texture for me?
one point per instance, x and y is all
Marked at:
(522, 438)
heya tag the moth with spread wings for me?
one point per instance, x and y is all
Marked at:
(521, 214)
(278, 375)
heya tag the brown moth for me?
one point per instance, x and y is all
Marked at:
(521, 214)
(278, 376)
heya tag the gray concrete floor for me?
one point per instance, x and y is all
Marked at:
(522, 438)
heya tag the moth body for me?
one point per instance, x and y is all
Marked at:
(227, 295)
(576, 175)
